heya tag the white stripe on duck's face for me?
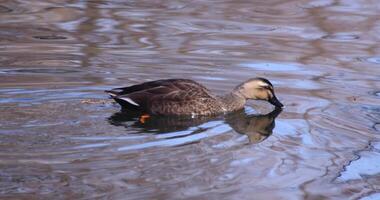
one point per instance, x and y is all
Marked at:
(263, 84)
(257, 89)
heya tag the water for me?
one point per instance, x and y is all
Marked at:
(61, 138)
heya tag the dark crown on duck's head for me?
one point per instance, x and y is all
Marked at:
(258, 89)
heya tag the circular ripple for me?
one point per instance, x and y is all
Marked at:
(375, 60)
(376, 126)
(377, 93)
(341, 37)
(50, 37)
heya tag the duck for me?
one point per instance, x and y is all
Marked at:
(185, 97)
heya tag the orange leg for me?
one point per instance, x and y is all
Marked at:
(143, 118)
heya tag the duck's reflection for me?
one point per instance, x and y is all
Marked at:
(256, 127)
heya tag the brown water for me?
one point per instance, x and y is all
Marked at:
(61, 138)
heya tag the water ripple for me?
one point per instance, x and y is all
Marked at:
(61, 137)
(374, 60)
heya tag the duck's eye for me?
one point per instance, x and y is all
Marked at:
(266, 87)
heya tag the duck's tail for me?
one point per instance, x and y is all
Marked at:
(124, 101)
(112, 93)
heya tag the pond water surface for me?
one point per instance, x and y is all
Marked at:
(62, 138)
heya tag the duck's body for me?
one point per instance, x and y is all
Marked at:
(182, 97)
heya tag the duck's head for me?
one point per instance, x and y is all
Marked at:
(259, 89)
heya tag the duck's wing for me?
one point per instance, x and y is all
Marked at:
(173, 96)
(172, 83)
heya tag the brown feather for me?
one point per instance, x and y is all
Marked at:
(181, 97)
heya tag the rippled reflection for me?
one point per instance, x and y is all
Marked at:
(58, 141)
(256, 127)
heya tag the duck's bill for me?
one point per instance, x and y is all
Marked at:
(274, 101)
